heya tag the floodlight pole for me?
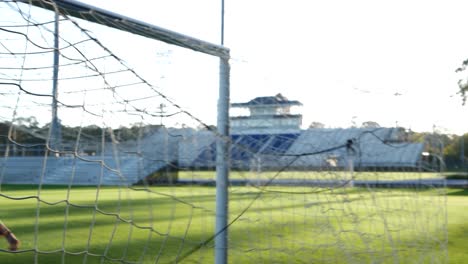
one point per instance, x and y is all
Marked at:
(55, 133)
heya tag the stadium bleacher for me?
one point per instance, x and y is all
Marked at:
(244, 148)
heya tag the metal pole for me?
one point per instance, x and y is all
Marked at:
(222, 157)
(350, 182)
(462, 152)
(222, 166)
(55, 125)
(350, 158)
(351, 171)
(222, 22)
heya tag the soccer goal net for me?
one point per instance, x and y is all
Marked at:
(109, 150)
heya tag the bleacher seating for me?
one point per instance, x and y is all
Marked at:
(279, 144)
(189, 148)
(244, 148)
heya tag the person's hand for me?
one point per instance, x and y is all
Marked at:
(10, 237)
(12, 241)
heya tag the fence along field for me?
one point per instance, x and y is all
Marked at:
(114, 179)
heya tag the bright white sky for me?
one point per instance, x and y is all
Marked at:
(345, 60)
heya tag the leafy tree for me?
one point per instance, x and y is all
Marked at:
(463, 83)
(16, 136)
(316, 124)
(370, 124)
(30, 122)
(453, 151)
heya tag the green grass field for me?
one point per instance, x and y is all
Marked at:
(283, 225)
(457, 209)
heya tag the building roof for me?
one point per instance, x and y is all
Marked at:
(282, 116)
(278, 100)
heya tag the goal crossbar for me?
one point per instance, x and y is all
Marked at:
(104, 17)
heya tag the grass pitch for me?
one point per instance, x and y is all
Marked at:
(281, 225)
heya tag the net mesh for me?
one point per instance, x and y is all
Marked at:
(125, 173)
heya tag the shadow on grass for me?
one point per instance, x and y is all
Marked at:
(460, 192)
(264, 238)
